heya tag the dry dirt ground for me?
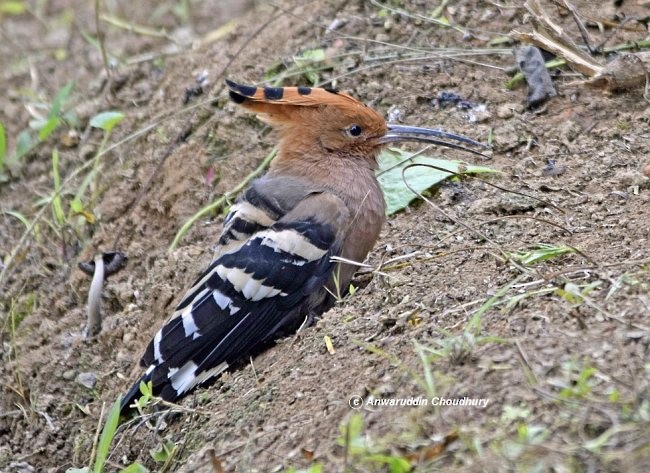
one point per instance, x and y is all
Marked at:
(560, 348)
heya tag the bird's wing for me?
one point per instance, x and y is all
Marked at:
(246, 295)
(266, 201)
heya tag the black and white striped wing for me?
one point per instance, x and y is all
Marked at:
(245, 297)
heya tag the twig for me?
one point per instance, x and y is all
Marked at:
(96, 439)
(581, 26)
(530, 374)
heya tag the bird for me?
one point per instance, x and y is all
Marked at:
(274, 268)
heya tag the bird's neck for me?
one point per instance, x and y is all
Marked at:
(349, 177)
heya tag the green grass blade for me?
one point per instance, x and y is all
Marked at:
(57, 206)
(108, 432)
(24, 220)
(60, 98)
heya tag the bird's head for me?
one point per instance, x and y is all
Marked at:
(320, 122)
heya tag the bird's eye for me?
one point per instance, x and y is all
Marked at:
(355, 130)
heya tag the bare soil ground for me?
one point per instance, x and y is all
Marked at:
(560, 349)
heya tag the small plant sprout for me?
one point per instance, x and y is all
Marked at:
(105, 121)
(147, 394)
(164, 453)
(45, 125)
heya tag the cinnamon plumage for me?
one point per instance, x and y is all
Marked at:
(273, 268)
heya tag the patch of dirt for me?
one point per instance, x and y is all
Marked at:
(560, 349)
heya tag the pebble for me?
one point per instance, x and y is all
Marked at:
(479, 116)
(87, 379)
(68, 375)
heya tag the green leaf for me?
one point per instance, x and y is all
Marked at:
(393, 161)
(162, 454)
(12, 7)
(77, 206)
(134, 468)
(106, 120)
(395, 464)
(108, 432)
(147, 393)
(351, 431)
(48, 127)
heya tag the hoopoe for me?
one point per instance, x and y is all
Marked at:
(273, 268)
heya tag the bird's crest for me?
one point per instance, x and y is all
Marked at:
(284, 104)
(249, 96)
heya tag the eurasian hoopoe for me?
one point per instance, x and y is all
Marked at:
(273, 268)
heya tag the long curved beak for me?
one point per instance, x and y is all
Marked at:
(429, 135)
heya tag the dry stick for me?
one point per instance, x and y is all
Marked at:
(581, 26)
(96, 439)
(530, 374)
(441, 254)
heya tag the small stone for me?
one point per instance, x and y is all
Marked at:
(479, 116)
(552, 168)
(68, 375)
(87, 379)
